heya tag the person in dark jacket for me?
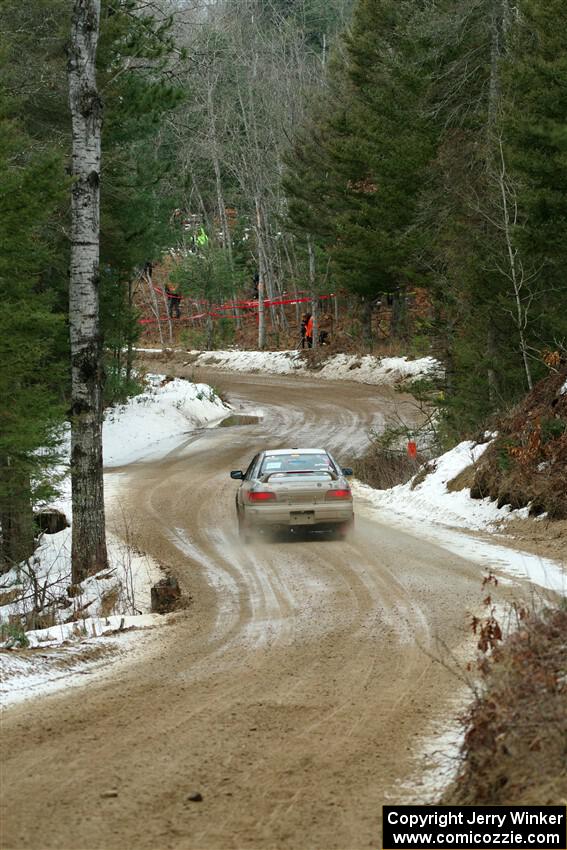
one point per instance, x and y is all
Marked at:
(325, 328)
(173, 301)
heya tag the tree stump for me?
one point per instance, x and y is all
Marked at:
(165, 595)
(51, 521)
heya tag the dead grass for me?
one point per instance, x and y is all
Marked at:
(527, 463)
(383, 468)
(39, 620)
(109, 602)
(515, 749)
(463, 481)
(9, 596)
(425, 470)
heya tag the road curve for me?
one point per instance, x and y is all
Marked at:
(291, 694)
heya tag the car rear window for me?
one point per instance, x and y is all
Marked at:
(290, 463)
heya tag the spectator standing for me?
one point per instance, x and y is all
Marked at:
(325, 328)
(309, 331)
(173, 301)
(303, 327)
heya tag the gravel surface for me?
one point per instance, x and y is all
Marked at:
(289, 701)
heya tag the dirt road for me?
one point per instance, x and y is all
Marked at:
(292, 694)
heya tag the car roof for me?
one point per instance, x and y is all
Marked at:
(295, 451)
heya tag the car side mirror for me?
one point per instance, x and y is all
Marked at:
(346, 470)
(237, 474)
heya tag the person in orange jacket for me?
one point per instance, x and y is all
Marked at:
(303, 327)
(309, 331)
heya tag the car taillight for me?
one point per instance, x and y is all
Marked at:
(340, 495)
(261, 496)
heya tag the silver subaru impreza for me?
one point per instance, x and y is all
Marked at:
(292, 489)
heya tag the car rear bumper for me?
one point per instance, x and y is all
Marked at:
(290, 516)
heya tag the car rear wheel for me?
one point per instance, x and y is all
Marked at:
(243, 529)
(343, 530)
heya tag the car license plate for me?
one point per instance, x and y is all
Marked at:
(302, 517)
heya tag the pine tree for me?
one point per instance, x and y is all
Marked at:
(462, 214)
(135, 214)
(31, 334)
(356, 181)
(385, 152)
(535, 122)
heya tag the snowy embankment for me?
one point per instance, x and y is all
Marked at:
(151, 424)
(74, 623)
(365, 369)
(426, 507)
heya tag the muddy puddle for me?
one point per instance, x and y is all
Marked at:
(236, 419)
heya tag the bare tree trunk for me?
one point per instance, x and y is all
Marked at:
(236, 313)
(16, 516)
(314, 302)
(496, 22)
(129, 348)
(367, 322)
(167, 301)
(262, 275)
(88, 531)
(492, 355)
(226, 235)
(516, 275)
(210, 329)
(399, 314)
(261, 316)
(154, 306)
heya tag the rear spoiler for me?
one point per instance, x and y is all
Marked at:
(332, 475)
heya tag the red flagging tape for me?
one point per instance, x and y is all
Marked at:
(217, 311)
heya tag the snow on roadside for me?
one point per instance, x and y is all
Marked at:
(425, 507)
(150, 424)
(365, 369)
(430, 500)
(113, 601)
(42, 671)
(117, 599)
(122, 589)
(377, 370)
(437, 757)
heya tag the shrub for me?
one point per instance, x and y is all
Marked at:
(13, 634)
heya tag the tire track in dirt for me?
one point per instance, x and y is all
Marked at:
(291, 692)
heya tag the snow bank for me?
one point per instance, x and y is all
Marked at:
(430, 500)
(90, 627)
(47, 669)
(150, 424)
(122, 589)
(374, 370)
(119, 598)
(427, 508)
(338, 367)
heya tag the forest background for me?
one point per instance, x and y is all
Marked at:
(371, 147)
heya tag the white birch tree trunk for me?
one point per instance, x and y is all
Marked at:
(88, 530)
